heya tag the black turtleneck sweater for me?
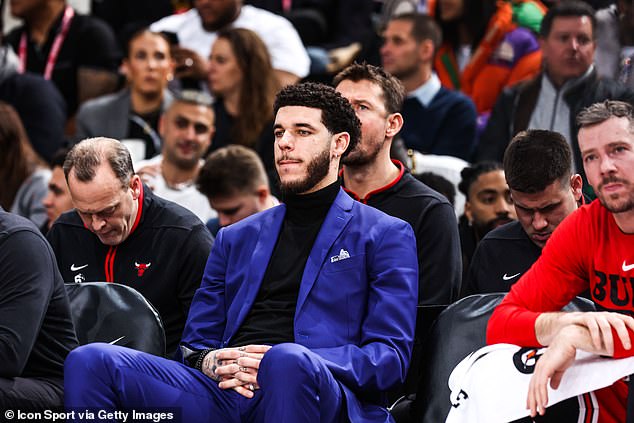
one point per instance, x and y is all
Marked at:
(270, 320)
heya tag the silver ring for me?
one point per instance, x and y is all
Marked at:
(251, 387)
(244, 369)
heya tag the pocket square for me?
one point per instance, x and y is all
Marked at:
(343, 254)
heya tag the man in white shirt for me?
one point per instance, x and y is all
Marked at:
(186, 128)
(196, 32)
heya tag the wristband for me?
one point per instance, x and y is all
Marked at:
(201, 357)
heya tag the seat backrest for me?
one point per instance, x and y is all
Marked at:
(117, 314)
(425, 317)
(458, 331)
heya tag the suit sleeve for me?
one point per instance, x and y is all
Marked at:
(381, 357)
(207, 316)
(27, 275)
(551, 283)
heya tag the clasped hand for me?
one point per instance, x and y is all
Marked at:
(236, 368)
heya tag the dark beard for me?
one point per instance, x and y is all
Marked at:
(358, 158)
(317, 170)
(222, 20)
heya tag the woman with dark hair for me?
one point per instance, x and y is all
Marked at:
(487, 45)
(243, 81)
(23, 173)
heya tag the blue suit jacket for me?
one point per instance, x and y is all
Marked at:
(357, 313)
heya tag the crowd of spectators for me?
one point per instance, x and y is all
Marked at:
(132, 135)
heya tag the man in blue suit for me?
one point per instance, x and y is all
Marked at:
(306, 311)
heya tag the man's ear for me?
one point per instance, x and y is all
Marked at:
(172, 66)
(124, 69)
(262, 192)
(576, 185)
(212, 132)
(426, 51)
(136, 186)
(209, 139)
(341, 141)
(395, 123)
(467, 211)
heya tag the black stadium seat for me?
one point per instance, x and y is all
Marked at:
(458, 330)
(117, 314)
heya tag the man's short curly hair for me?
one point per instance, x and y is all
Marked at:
(337, 114)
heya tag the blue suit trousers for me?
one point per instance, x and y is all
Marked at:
(295, 386)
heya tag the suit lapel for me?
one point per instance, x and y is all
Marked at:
(336, 220)
(269, 232)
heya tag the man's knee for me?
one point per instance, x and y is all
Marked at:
(95, 357)
(287, 354)
(294, 361)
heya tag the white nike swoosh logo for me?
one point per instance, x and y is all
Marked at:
(508, 278)
(116, 340)
(74, 268)
(627, 267)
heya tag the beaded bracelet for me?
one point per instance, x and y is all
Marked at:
(201, 357)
